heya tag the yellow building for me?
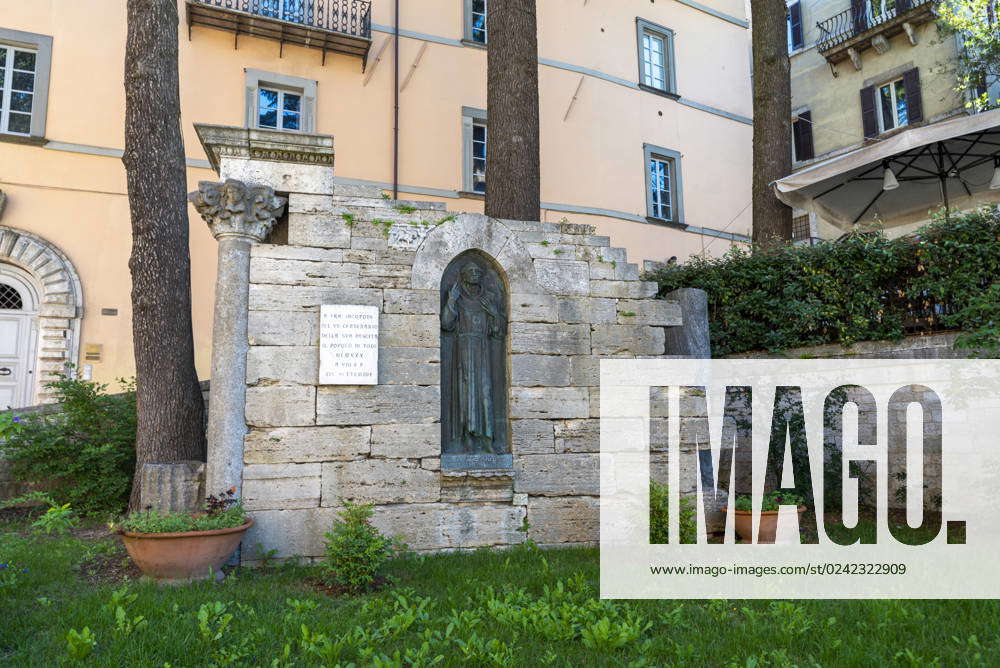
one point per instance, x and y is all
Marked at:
(874, 88)
(645, 132)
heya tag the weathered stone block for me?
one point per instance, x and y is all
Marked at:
(563, 277)
(624, 289)
(631, 339)
(281, 486)
(378, 404)
(546, 339)
(538, 307)
(409, 366)
(409, 330)
(169, 487)
(406, 440)
(288, 364)
(540, 370)
(297, 253)
(649, 312)
(414, 302)
(318, 230)
(477, 488)
(306, 444)
(293, 533)
(578, 435)
(308, 298)
(608, 270)
(302, 272)
(267, 328)
(379, 481)
(574, 519)
(557, 475)
(588, 310)
(531, 437)
(439, 526)
(281, 406)
(549, 402)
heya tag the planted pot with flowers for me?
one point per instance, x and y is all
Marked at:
(182, 547)
(743, 510)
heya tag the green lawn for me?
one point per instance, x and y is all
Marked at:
(522, 607)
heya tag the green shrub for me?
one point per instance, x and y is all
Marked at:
(864, 287)
(659, 514)
(224, 511)
(85, 454)
(770, 501)
(356, 552)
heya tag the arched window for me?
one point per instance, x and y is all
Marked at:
(10, 298)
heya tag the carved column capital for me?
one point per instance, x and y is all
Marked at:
(234, 209)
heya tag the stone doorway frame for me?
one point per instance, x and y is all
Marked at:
(60, 303)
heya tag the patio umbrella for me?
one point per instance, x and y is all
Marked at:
(924, 168)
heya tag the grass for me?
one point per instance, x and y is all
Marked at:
(521, 607)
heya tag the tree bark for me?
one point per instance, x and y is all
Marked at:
(513, 173)
(772, 129)
(171, 412)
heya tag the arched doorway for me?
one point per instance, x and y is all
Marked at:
(18, 336)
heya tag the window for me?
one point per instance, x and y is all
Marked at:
(802, 137)
(794, 26)
(475, 21)
(286, 10)
(10, 298)
(24, 82)
(280, 102)
(656, 57)
(474, 136)
(891, 106)
(664, 200)
(880, 11)
(801, 227)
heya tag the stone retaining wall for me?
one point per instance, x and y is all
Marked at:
(573, 300)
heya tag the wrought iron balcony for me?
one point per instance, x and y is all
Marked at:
(870, 23)
(343, 26)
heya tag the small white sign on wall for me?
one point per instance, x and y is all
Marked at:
(348, 344)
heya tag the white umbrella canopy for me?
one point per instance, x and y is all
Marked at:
(935, 165)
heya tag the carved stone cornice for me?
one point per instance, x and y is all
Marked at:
(234, 209)
(221, 141)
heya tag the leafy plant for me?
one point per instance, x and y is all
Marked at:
(356, 552)
(80, 645)
(770, 501)
(220, 512)
(405, 208)
(348, 219)
(861, 287)
(57, 519)
(659, 513)
(85, 453)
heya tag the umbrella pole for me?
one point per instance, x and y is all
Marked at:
(943, 175)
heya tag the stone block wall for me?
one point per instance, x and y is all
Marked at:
(573, 299)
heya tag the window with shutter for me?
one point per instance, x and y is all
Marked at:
(802, 137)
(915, 106)
(794, 26)
(869, 121)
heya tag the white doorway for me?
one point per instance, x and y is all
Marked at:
(18, 337)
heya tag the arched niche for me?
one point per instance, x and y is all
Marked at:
(475, 312)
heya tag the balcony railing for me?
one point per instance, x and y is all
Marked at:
(865, 16)
(344, 26)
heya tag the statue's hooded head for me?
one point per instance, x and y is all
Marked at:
(471, 274)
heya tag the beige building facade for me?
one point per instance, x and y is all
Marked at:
(645, 131)
(864, 73)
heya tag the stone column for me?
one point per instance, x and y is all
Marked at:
(239, 215)
(691, 339)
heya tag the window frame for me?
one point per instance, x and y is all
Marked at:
(789, 36)
(471, 117)
(41, 45)
(644, 27)
(673, 159)
(283, 83)
(879, 117)
(469, 30)
(279, 109)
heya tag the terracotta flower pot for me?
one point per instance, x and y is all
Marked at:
(768, 524)
(173, 558)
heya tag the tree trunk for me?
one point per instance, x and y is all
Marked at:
(171, 412)
(772, 130)
(513, 174)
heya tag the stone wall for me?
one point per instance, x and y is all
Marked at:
(938, 346)
(574, 299)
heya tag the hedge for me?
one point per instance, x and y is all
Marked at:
(862, 287)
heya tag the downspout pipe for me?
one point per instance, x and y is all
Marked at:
(395, 111)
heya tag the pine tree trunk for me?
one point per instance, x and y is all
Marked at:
(772, 129)
(171, 413)
(513, 174)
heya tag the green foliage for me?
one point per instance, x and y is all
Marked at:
(979, 62)
(57, 519)
(348, 219)
(80, 645)
(862, 287)
(356, 552)
(154, 521)
(405, 208)
(771, 501)
(84, 454)
(659, 514)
